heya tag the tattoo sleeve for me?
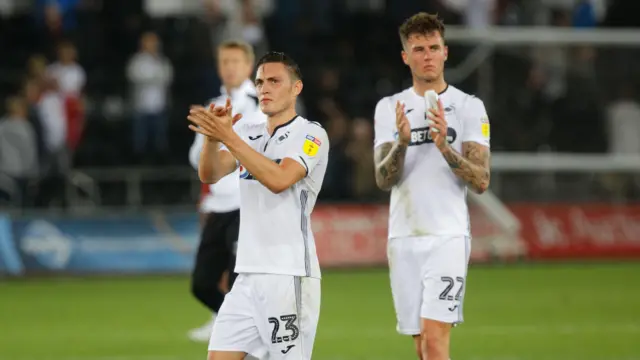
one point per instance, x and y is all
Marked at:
(389, 159)
(472, 167)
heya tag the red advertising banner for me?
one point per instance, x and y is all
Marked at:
(572, 231)
(356, 235)
(351, 235)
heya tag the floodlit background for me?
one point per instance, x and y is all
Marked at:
(98, 222)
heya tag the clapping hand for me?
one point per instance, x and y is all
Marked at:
(438, 128)
(402, 124)
(216, 123)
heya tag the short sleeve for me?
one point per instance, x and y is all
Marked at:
(384, 123)
(476, 123)
(310, 147)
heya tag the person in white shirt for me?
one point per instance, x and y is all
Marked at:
(71, 80)
(150, 74)
(220, 202)
(273, 308)
(52, 117)
(56, 159)
(70, 75)
(428, 158)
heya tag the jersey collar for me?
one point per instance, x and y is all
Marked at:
(413, 90)
(281, 126)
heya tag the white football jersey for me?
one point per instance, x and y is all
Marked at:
(224, 195)
(430, 199)
(275, 233)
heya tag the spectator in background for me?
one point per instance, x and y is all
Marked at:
(52, 118)
(554, 60)
(240, 19)
(584, 15)
(360, 152)
(150, 75)
(18, 148)
(55, 19)
(477, 14)
(530, 112)
(31, 92)
(623, 125)
(336, 182)
(54, 130)
(71, 80)
(37, 67)
(58, 16)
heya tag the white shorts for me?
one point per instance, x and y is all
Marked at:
(269, 316)
(428, 275)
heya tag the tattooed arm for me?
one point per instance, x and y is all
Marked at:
(389, 154)
(389, 158)
(473, 167)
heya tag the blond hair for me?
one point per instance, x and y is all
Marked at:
(241, 45)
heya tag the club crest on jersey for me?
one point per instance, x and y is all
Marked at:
(282, 138)
(422, 135)
(311, 145)
(485, 126)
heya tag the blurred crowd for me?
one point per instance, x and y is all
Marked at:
(91, 83)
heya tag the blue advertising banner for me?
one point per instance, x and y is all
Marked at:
(149, 243)
(9, 257)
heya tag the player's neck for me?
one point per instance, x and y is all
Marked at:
(437, 85)
(280, 118)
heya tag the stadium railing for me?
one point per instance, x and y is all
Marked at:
(538, 35)
(559, 210)
(88, 181)
(487, 41)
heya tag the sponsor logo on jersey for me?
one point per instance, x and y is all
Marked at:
(246, 175)
(311, 145)
(420, 136)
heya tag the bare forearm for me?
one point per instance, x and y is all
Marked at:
(389, 164)
(476, 176)
(210, 167)
(196, 150)
(262, 168)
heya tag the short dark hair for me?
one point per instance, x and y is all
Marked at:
(421, 23)
(284, 59)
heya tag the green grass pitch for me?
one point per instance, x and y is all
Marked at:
(515, 312)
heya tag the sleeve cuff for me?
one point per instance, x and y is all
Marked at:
(302, 162)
